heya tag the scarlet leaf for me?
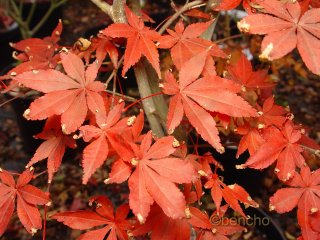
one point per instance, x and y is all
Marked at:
(27, 197)
(155, 176)
(287, 27)
(185, 43)
(71, 100)
(220, 228)
(54, 146)
(232, 194)
(198, 96)
(97, 151)
(303, 193)
(242, 73)
(115, 225)
(140, 41)
(283, 147)
(163, 227)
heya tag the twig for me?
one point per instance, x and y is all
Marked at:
(105, 7)
(175, 16)
(148, 104)
(52, 7)
(128, 98)
(316, 152)
(115, 12)
(229, 38)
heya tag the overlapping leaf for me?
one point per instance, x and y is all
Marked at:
(116, 224)
(185, 43)
(286, 27)
(97, 151)
(27, 197)
(154, 177)
(303, 192)
(37, 53)
(70, 96)
(232, 194)
(140, 41)
(218, 227)
(54, 146)
(242, 73)
(197, 97)
(283, 147)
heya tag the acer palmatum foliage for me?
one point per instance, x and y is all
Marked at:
(286, 27)
(26, 196)
(167, 177)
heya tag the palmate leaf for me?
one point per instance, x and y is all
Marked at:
(199, 97)
(185, 43)
(96, 153)
(283, 147)
(303, 191)
(154, 177)
(70, 96)
(27, 197)
(163, 227)
(286, 27)
(115, 224)
(54, 146)
(140, 41)
(232, 194)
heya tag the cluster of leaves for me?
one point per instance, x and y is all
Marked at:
(166, 181)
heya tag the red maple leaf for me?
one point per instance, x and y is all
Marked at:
(163, 227)
(304, 192)
(70, 96)
(250, 141)
(281, 146)
(196, 97)
(37, 53)
(98, 150)
(218, 227)
(27, 197)
(232, 194)
(116, 224)
(140, 41)
(231, 4)
(271, 114)
(202, 166)
(286, 28)
(185, 43)
(242, 73)
(154, 177)
(54, 146)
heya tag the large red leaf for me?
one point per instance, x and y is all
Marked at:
(199, 96)
(67, 95)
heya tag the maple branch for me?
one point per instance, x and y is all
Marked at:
(175, 16)
(148, 104)
(104, 7)
(53, 5)
(128, 98)
(154, 108)
(115, 11)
